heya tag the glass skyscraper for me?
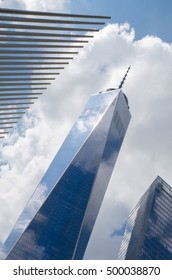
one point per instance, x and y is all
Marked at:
(148, 233)
(59, 218)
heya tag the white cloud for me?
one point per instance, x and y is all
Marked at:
(44, 5)
(40, 5)
(146, 151)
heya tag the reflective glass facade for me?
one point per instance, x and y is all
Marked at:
(148, 234)
(58, 219)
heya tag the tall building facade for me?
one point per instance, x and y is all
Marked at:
(59, 218)
(148, 233)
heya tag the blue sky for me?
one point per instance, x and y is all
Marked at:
(147, 17)
(146, 151)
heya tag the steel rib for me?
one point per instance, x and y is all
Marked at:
(39, 46)
(34, 52)
(51, 21)
(22, 84)
(26, 74)
(30, 68)
(13, 113)
(9, 118)
(16, 103)
(24, 79)
(18, 108)
(20, 94)
(43, 34)
(4, 132)
(5, 63)
(44, 27)
(1, 123)
(17, 98)
(33, 58)
(16, 39)
(24, 12)
(6, 127)
(15, 89)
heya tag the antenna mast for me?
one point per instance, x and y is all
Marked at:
(125, 76)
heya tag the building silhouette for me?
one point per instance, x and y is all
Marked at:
(148, 233)
(58, 220)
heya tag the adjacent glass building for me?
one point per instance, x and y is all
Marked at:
(59, 218)
(148, 233)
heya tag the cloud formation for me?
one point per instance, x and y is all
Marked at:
(40, 5)
(146, 151)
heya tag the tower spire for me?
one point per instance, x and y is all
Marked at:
(125, 76)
